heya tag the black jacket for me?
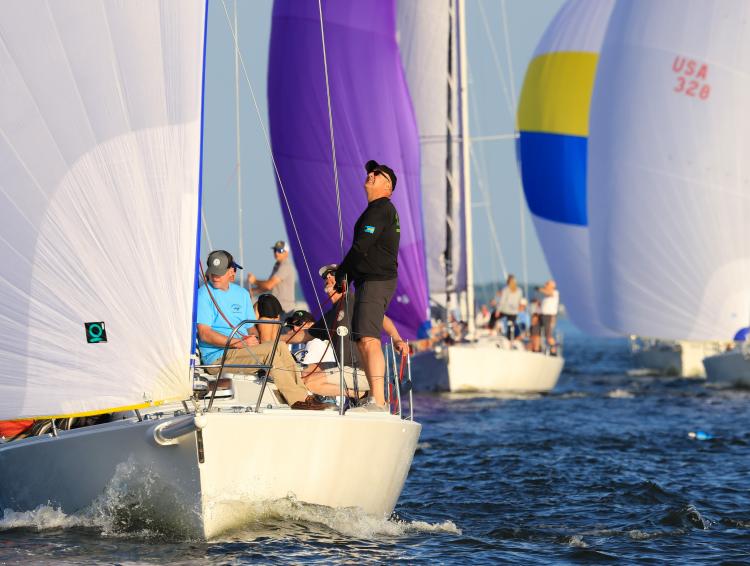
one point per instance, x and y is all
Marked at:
(374, 252)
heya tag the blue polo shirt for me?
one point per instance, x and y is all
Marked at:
(236, 306)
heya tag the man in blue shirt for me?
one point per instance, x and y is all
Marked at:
(221, 306)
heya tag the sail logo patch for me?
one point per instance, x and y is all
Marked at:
(95, 332)
(370, 229)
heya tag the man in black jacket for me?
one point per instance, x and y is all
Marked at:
(372, 265)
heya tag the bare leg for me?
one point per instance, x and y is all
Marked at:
(371, 355)
(317, 382)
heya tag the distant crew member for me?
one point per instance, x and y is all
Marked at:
(372, 265)
(549, 308)
(281, 281)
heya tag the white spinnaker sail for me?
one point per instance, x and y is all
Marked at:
(669, 153)
(553, 120)
(100, 110)
(424, 28)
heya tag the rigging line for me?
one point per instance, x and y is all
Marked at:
(521, 208)
(490, 219)
(335, 172)
(508, 57)
(205, 230)
(240, 235)
(496, 59)
(330, 127)
(482, 178)
(273, 160)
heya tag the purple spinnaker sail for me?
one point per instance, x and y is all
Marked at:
(372, 119)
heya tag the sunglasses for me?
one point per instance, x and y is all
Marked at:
(279, 250)
(382, 174)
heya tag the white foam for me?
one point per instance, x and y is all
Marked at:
(350, 522)
(44, 517)
(620, 394)
(577, 541)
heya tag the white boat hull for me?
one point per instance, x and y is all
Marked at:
(358, 460)
(678, 357)
(732, 368)
(482, 366)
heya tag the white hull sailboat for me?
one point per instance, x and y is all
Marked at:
(481, 364)
(201, 475)
(673, 357)
(729, 368)
(100, 164)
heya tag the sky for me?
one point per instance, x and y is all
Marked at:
(497, 192)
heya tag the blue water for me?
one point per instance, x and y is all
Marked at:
(602, 470)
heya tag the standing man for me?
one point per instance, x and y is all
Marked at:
(221, 306)
(281, 281)
(372, 265)
(550, 305)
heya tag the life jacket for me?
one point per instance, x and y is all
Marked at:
(9, 429)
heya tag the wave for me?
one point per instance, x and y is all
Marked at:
(349, 522)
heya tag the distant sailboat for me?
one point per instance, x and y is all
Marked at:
(100, 168)
(553, 124)
(670, 237)
(434, 51)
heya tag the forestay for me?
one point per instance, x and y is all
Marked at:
(669, 156)
(372, 119)
(553, 123)
(100, 109)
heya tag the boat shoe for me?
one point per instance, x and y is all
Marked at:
(309, 404)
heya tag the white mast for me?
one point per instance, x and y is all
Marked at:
(240, 236)
(466, 164)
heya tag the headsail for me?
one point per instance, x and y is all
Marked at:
(669, 155)
(100, 109)
(428, 46)
(553, 120)
(372, 119)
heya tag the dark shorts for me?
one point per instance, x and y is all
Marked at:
(548, 324)
(370, 301)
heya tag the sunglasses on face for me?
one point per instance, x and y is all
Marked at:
(279, 250)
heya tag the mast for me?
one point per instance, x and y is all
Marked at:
(466, 164)
(450, 177)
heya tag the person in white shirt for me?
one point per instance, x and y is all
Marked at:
(510, 305)
(549, 307)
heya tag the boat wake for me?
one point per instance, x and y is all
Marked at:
(44, 517)
(349, 522)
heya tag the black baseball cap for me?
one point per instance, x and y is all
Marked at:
(279, 246)
(373, 165)
(299, 317)
(268, 306)
(219, 261)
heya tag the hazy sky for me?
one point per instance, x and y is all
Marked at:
(490, 115)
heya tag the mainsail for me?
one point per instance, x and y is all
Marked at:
(100, 134)
(669, 157)
(553, 123)
(428, 45)
(372, 119)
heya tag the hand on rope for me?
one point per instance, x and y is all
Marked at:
(401, 347)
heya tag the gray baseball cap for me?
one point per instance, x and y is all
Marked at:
(219, 261)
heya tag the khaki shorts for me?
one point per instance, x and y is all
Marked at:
(370, 302)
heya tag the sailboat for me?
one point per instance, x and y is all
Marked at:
(670, 246)
(100, 160)
(434, 53)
